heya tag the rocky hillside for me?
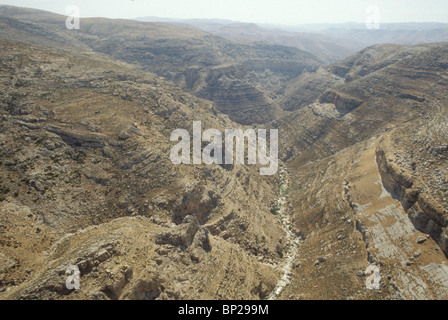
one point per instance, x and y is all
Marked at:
(240, 78)
(86, 179)
(368, 172)
(396, 84)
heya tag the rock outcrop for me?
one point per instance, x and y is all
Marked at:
(425, 212)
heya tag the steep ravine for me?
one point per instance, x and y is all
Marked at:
(291, 241)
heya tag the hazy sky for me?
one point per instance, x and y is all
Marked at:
(261, 11)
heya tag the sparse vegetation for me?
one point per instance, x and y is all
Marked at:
(275, 210)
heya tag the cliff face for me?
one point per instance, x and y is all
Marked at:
(398, 181)
(427, 214)
(248, 92)
(367, 161)
(343, 102)
(348, 209)
(241, 101)
(307, 89)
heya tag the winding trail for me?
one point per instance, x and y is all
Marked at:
(291, 241)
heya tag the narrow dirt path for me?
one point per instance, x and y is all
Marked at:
(291, 241)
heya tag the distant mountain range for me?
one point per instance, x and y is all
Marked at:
(329, 42)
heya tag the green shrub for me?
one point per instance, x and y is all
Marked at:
(275, 210)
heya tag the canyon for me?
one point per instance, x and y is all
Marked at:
(86, 177)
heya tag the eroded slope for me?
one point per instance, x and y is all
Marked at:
(85, 151)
